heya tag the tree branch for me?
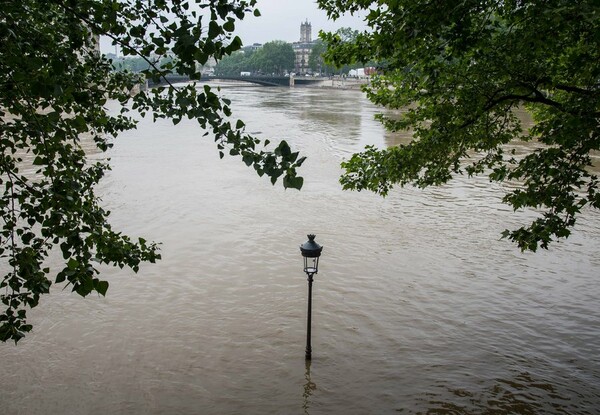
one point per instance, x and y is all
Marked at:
(162, 73)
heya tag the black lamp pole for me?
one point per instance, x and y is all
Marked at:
(311, 251)
(309, 318)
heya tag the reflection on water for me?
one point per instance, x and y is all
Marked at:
(418, 307)
(309, 388)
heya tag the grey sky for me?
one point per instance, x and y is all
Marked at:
(280, 20)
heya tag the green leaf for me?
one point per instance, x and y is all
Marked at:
(213, 29)
(248, 159)
(293, 182)
(102, 287)
(283, 150)
(73, 264)
(229, 26)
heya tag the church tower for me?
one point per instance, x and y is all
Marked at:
(305, 32)
(303, 48)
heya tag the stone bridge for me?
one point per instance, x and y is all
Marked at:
(264, 80)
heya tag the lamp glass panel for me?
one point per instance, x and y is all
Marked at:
(311, 265)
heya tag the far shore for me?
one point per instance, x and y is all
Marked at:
(341, 83)
(344, 83)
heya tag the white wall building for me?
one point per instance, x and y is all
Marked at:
(303, 48)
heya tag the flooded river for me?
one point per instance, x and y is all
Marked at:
(418, 306)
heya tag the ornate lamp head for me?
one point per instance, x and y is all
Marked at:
(311, 251)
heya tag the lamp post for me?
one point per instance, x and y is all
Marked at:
(311, 251)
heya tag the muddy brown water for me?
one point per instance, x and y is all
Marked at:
(419, 306)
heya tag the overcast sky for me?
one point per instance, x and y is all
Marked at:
(280, 20)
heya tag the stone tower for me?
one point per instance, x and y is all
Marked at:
(305, 32)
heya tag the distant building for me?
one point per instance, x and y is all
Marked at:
(305, 32)
(253, 47)
(208, 69)
(303, 48)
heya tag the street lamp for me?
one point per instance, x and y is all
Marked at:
(311, 251)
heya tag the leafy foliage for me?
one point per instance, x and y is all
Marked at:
(275, 57)
(234, 64)
(137, 64)
(316, 61)
(53, 116)
(320, 59)
(456, 71)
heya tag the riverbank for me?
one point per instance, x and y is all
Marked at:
(342, 83)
